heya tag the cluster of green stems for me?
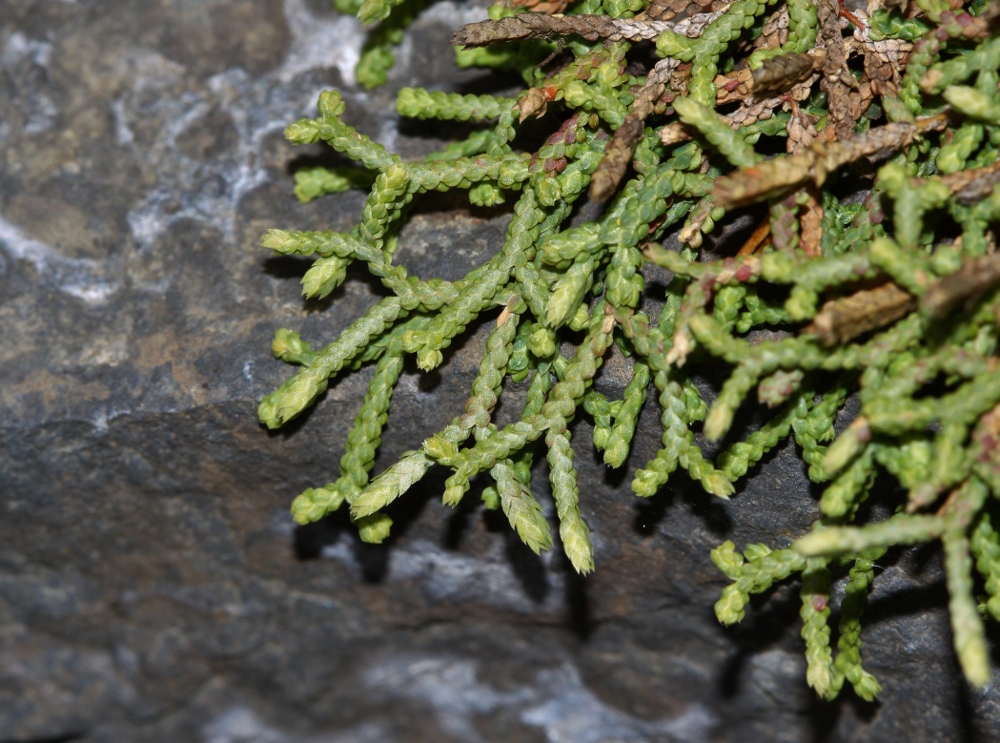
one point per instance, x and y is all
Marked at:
(925, 371)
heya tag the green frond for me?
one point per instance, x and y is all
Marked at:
(890, 301)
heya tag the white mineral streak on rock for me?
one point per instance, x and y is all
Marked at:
(39, 111)
(205, 190)
(209, 190)
(453, 15)
(82, 278)
(319, 42)
(241, 725)
(569, 712)
(558, 702)
(450, 576)
(449, 686)
(92, 281)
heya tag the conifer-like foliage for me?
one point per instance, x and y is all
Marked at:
(674, 114)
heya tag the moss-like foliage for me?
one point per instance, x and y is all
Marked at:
(893, 299)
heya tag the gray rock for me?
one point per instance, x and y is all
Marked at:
(153, 587)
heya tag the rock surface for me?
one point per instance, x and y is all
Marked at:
(153, 587)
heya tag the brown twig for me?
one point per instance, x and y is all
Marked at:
(837, 80)
(972, 186)
(620, 149)
(758, 240)
(590, 27)
(666, 10)
(777, 176)
(779, 74)
(535, 25)
(967, 283)
(842, 320)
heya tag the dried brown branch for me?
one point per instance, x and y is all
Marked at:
(779, 74)
(811, 222)
(774, 177)
(667, 73)
(972, 186)
(589, 27)
(675, 133)
(535, 25)
(692, 26)
(737, 86)
(617, 155)
(775, 31)
(801, 129)
(754, 110)
(620, 149)
(734, 86)
(842, 320)
(534, 102)
(883, 62)
(968, 283)
(837, 80)
(667, 10)
(760, 238)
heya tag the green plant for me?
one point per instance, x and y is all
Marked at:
(894, 299)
